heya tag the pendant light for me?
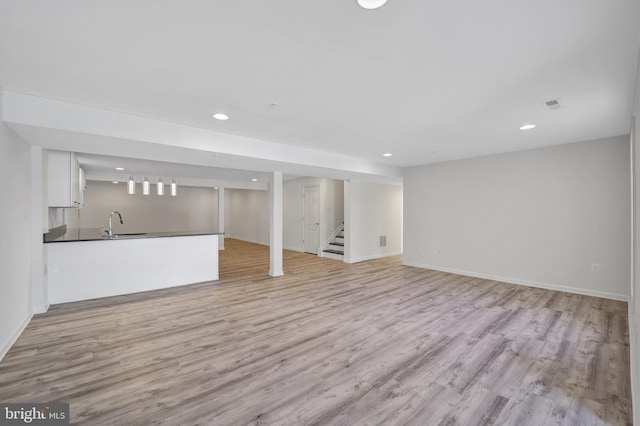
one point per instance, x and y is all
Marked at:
(174, 187)
(160, 187)
(131, 186)
(146, 186)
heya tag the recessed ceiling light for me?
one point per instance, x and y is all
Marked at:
(371, 4)
(220, 116)
(115, 182)
(387, 154)
(215, 187)
(120, 168)
(254, 180)
(527, 127)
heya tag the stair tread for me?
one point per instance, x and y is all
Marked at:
(336, 243)
(333, 251)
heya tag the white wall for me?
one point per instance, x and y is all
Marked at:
(58, 216)
(372, 210)
(15, 246)
(39, 225)
(248, 215)
(332, 204)
(193, 209)
(540, 217)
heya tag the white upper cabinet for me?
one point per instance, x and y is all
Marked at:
(65, 182)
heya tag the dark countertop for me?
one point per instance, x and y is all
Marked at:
(93, 234)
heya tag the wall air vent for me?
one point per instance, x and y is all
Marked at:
(552, 104)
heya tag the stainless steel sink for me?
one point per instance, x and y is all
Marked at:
(132, 234)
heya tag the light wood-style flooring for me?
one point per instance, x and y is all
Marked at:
(329, 344)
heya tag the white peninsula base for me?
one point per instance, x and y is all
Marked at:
(83, 270)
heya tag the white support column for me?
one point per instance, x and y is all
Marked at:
(221, 218)
(347, 222)
(275, 219)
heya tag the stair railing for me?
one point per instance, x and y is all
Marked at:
(330, 239)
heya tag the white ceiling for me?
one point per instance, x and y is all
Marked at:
(428, 81)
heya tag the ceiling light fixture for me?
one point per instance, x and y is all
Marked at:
(527, 127)
(131, 186)
(371, 4)
(254, 180)
(220, 116)
(174, 187)
(387, 154)
(146, 186)
(115, 182)
(160, 187)
(120, 168)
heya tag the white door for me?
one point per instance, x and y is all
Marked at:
(311, 219)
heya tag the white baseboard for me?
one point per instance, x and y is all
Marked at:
(371, 257)
(556, 287)
(246, 240)
(40, 309)
(287, 247)
(16, 335)
(293, 248)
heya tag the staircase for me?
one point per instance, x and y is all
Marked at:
(334, 249)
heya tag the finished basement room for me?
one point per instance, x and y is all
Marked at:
(361, 212)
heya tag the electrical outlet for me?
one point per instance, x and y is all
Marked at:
(419, 249)
(595, 267)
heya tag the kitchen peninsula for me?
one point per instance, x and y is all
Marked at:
(83, 264)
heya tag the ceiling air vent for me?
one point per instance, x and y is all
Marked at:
(552, 104)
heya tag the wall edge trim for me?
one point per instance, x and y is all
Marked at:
(7, 346)
(373, 256)
(633, 347)
(247, 240)
(508, 280)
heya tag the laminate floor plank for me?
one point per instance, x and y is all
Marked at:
(329, 343)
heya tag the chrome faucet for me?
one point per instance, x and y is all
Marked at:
(110, 229)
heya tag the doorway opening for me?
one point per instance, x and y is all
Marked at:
(311, 219)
